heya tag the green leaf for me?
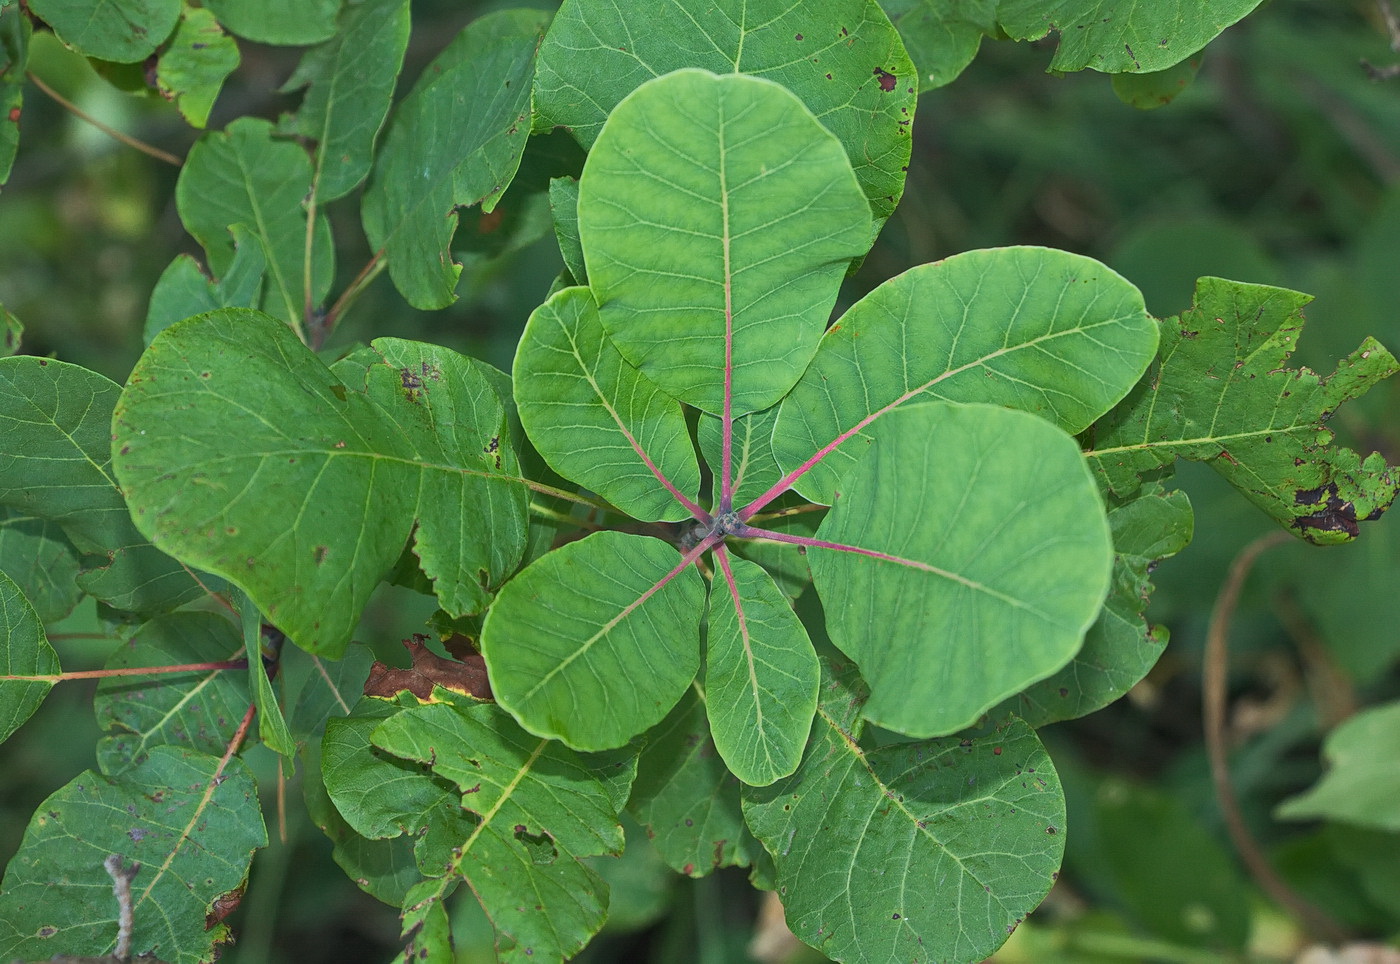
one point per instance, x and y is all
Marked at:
(42, 562)
(597, 420)
(987, 571)
(934, 848)
(26, 653)
(1035, 329)
(1156, 88)
(193, 830)
(1220, 393)
(427, 932)
(191, 70)
(942, 38)
(183, 291)
(717, 218)
(199, 709)
(294, 23)
(1364, 780)
(121, 30)
(313, 505)
(594, 642)
(761, 674)
(272, 727)
(15, 29)
(1116, 36)
(454, 141)
(563, 207)
(686, 797)
(56, 419)
(243, 176)
(842, 58)
(507, 776)
(349, 83)
(317, 689)
(11, 328)
(1121, 647)
(753, 467)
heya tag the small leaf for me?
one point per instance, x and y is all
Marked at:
(597, 420)
(454, 141)
(563, 207)
(717, 217)
(11, 328)
(199, 710)
(183, 291)
(761, 674)
(42, 562)
(595, 641)
(427, 933)
(191, 70)
(242, 175)
(1363, 782)
(1157, 88)
(890, 854)
(942, 38)
(686, 797)
(1035, 329)
(843, 58)
(27, 653)
(349, 83)
(124, 31)
(193, 830)
(272, 727)
(314, 504)
(987, 570)
(318, 689)
(15, 29)
(753, 467)
(1220, 393)
(296, 24)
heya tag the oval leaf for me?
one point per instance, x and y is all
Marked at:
(1031, 328)
(597, 420)
(596, 641)
(244, 455)
(717, 217)
(761, 674)
(974, 553)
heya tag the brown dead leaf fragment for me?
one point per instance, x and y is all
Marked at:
(428, 670)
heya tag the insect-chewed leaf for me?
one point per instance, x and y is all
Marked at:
(717, 218)
(761, 674)
(1220, 393)
(885, 855)
(596, 641)
(967, 555)
(857, 78)
(243, 454)
(192, 848)
(26, 653)
(1034, 329)
(597, 420)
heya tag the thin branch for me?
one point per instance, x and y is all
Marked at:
(132, 671)
(121, 889)
(1214, 676)
(352, 291)
(112, 132)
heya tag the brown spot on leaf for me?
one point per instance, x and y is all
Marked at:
(428, 670)
(887, 79)
(223, 906)
(320, 554)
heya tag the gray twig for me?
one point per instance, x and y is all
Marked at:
(121, 887)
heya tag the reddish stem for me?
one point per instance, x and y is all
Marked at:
(133, 671)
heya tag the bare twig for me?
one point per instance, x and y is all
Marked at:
(1214, 675)
(121, 887)
(110, 131)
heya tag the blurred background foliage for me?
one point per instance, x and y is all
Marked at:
(1279, 163)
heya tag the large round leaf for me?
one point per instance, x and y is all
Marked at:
(967, 555)
(595, 418)
(596, 641)
(1040, 330)
(717, 217)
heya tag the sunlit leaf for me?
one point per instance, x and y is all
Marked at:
(596, 419)
(886, 854)
(121, 30)
(717, 217)
(199, 709)
(314, 504)
(26, 653)
(595, 642)
(753, 467)
(1035, 329)
(975, 555)
(193, 836)
(349, 83)
(1220, 393)
(191, 70)
(1364, 779)
(293, 22)
(761, 674)
(842, 57)
(243, 175)
(454, 141)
